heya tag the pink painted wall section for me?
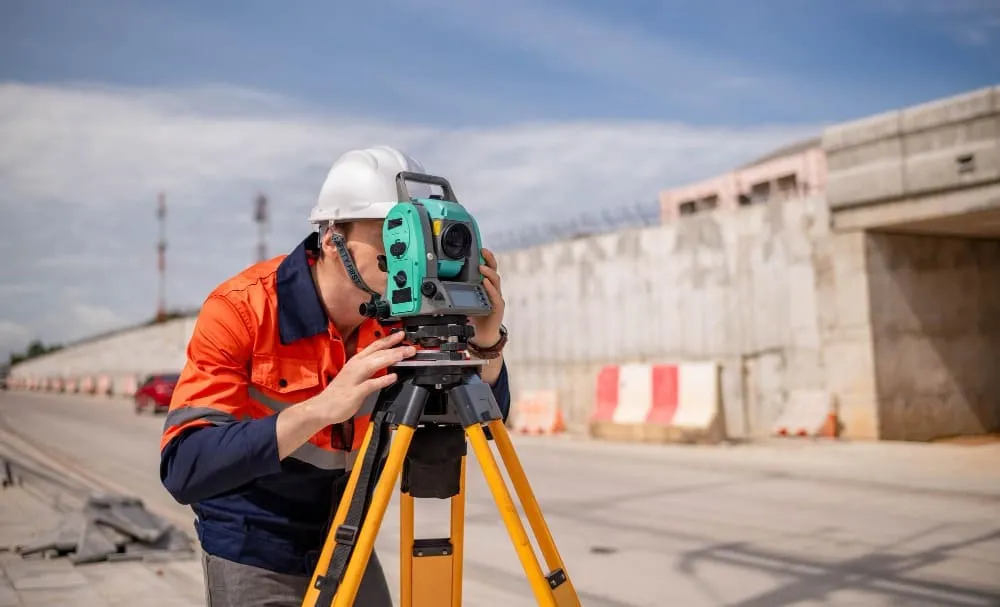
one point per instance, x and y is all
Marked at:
(794, 175)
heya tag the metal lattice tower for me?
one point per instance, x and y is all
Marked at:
(161, 250)
(261, 218)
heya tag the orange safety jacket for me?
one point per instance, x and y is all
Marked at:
(262, 343)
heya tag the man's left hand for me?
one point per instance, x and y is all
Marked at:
(488, 327)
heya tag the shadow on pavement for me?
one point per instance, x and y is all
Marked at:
(878, 572)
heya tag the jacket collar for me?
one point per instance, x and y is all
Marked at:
(300, 311)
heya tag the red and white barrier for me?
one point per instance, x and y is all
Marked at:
(98, 385)
(126, 385)
(537, 412)
(658, 403)
(103, 385)
(809, 413)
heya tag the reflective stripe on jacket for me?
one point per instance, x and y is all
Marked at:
(262, 343)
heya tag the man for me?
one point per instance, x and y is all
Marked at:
(274, 400)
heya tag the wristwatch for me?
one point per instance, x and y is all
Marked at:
(491, 351)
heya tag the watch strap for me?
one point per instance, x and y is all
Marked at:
(492, 351)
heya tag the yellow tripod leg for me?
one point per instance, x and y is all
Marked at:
(405, 549)
(348, 589)
(508, 511)
(430, 572)
(458, 539)
(565, 594)
(312, 594)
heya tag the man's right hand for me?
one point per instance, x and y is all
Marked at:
(344, 395)
(355, 382)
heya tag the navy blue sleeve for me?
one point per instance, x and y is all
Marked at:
(501, 391)
(212, 460)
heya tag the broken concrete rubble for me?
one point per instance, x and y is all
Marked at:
(111, 527)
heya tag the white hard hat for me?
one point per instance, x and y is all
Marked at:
(362, 185)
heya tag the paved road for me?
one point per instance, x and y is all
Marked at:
(638, 525)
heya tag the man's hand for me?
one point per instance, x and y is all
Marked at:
(348, 391)
(488, 327)
(344, 395)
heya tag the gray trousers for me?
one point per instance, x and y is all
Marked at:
(229, 584)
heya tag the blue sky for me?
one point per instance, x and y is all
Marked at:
(534, 109)
(472, 62)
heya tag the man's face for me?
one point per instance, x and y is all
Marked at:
(364, 241)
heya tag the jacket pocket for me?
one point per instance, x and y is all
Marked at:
(279, 382)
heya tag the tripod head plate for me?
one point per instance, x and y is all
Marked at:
(473, 362)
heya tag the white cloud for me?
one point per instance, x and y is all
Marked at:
(80, 168)
(13, 337)
(95, 318)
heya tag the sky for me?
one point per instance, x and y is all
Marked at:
(535, 110)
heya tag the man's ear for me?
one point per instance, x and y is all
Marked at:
(331, 229)
(326, 246)
(324, 240)
(345, 230)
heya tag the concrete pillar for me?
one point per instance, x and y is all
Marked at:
(845, 325)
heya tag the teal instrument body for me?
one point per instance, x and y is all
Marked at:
(433, 253)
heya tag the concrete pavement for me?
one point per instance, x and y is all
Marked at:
(774, 524)
(26, 512)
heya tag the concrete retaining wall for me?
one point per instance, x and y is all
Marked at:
(126, 357)
(737, 288)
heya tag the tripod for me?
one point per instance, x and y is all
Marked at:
(437, 403)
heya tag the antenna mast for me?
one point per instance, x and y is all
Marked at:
(261, 217)
(161, 250)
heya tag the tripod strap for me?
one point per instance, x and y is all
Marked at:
(347, 533)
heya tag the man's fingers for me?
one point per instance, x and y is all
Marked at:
(491, 259)
(493, 293)
(390, 340)
(489, 271)
(385, 358)
(490, 275)
(379, 383)
(381, 344)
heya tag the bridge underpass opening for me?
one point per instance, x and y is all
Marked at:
(934, 293)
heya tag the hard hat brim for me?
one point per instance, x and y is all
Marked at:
(376, 210)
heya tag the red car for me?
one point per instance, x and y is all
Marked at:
(155, 392)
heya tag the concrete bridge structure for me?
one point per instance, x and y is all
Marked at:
(914, 196)
(846, 285)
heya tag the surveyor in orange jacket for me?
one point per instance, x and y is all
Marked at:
(273, 402)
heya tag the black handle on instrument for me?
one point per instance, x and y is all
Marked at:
(403, 176)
